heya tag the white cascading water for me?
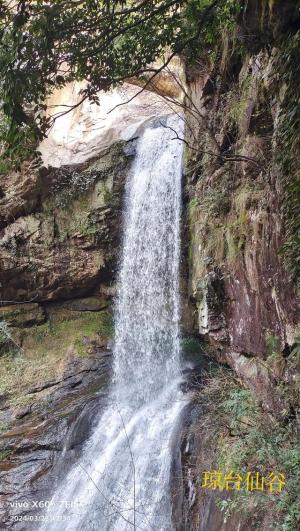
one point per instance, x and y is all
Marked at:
(122, 481)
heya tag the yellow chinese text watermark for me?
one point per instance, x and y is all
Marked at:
(251, 481)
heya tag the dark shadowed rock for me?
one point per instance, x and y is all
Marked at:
(33, 443)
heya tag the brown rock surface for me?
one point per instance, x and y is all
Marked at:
(242, 294)
(60, 239)
(20, 315)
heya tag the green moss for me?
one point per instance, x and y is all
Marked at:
(272, 344)
(232, 251)
(237, 101)
(216, 200)
(72, 323)
(236, 236)
(191, 250)
(246, 196)
(4, 426)
(22, 400)
(221, 216)
(192, 207)
(90, 226)
(40, 332)
(4, 454)
(192, 349)
(222, 21)
(81, 348)
(110, 199)
(46, 348)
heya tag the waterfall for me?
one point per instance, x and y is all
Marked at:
(122, 479)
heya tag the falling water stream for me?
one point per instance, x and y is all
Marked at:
(122, 480)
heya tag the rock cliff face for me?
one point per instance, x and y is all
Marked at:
(237, 281)
(61, 228)
(243, 298)
(60, 234)
(60, 223)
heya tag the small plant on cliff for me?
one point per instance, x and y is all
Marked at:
(4, 426)
(6, 339)
(4, 454)
(273, 348)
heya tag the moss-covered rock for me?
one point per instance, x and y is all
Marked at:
(48, 348)
(91, 304)
(22, 315)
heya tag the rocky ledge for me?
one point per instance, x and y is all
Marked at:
(59, 416)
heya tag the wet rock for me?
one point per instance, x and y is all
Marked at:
(33, 444)
(77, 435)
(90, 129)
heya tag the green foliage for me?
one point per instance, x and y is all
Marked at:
(4, 454)
(238, 404)
(228, 507)
(47, 45)
(247, 438)
(259, 443)
(44, 46)
(18, 144)
(223, 18)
